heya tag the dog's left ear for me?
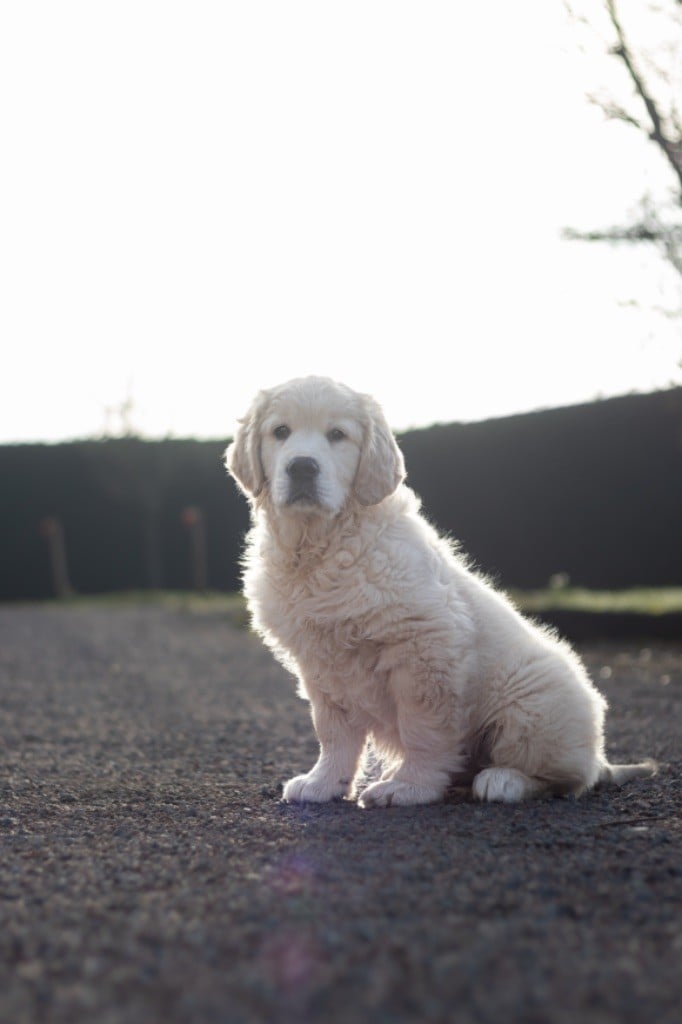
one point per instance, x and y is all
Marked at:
(381, 468)
(242, 457)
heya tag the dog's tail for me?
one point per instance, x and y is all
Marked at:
(617, 774)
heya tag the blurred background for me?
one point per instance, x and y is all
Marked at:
(473, 212)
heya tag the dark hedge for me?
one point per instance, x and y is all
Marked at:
(594, 491)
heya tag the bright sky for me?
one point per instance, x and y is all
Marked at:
(201, 199)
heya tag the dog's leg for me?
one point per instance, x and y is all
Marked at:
(428, 745)
(548, 732)
(341, 745)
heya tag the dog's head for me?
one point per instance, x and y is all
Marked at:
(311, 445)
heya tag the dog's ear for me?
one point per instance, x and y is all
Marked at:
(242, 457)
(381, 468)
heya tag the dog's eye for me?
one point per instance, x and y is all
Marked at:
(336, 435)
(282, 432)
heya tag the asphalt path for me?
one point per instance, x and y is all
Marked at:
(149, 871)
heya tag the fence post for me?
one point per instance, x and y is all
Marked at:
(53, 532)
(192, 519)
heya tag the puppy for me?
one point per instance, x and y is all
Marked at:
(395, 642)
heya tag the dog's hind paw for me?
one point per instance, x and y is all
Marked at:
(505, 785)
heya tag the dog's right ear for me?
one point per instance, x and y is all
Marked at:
(242, 457)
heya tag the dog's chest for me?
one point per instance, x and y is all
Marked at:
(336, 597)
(344, 664)
(338, 639)
(327, 622)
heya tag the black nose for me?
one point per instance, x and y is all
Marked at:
(303, 468)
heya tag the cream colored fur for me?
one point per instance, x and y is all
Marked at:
(396, 643)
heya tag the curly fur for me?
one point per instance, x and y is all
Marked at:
(394, 640)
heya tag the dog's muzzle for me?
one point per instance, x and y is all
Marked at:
(303, 473)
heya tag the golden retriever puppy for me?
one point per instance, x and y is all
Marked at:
(395, 641)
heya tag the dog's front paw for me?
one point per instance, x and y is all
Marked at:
(314, 788)
(393, 792)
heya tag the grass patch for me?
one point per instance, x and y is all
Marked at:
(640, 600)
(231, 606)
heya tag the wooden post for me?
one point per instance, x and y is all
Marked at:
(53, 532)
(192, 519)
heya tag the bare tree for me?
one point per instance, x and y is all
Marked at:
(651, 106)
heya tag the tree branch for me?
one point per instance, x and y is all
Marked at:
(668, 237)
(633, 233)
(671, 149)
(615, 112)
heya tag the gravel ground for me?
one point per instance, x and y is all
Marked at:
(149, 872)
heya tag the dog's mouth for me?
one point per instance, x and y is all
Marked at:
(304, 495)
